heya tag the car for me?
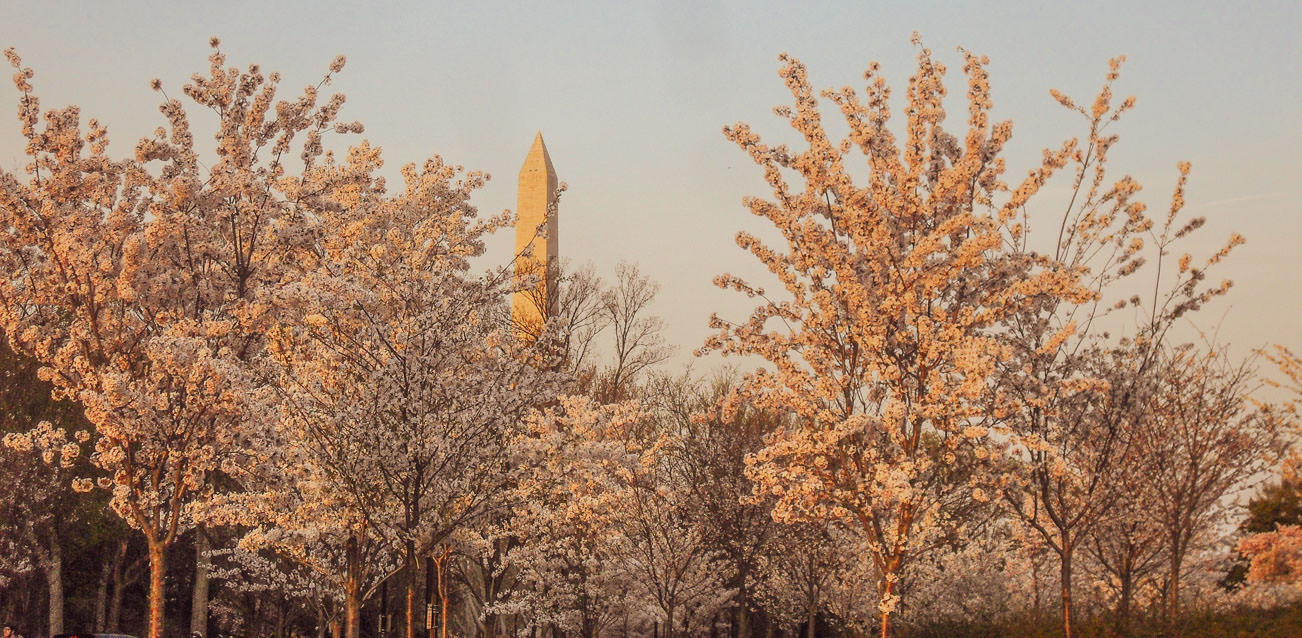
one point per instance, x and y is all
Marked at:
(92, 635)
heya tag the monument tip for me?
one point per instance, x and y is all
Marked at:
(538, 157)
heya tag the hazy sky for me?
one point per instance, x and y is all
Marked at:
(631, 98)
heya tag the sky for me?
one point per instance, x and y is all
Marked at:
(631, 98)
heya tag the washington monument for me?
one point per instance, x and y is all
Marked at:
(536, 231)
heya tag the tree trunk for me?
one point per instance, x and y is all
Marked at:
(410, 567)
(382, 621)
(441, 586)
(1127, 587)
(491, 585)
(54, 578)
(443, 604)
(1123, 607)
(1066, 590)
(1176, 559)
(101, 594)
(259, 617)
(113, 623)
(157, 592)
(115, 604)
(887, 591)
(1035, 586)
(742, 623)
(411, 604)
(352, 591)
(199, 597)
(813, 618)
(430, 593)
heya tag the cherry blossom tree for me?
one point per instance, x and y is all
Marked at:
(794, 579)
(1127, 543)
(709, 453)
(40, 504)
(1274, 548)
(43, 451)
(1274, 556)
(578, 461)
(1205, 441)
(399, 368)
(667, 553)
(976, 584)
(897, 292)
(297, 532)
(140, 283)
(1074, 423)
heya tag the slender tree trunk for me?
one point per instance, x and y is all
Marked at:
(1127, 588)
(115, 605)
(409, 566)
(1123, 607)
(199, 597)
(491, 586)
(812, 616)
(411, 601)
(1066, 589)
(1036, 607)
(54, 578)
(441, 585)
(430, 592)
(742, 625)
(1177, 557)
(443, 603)
(157, 582)
(888, 590)
(352, 591)
(101, 594)
(258, 617)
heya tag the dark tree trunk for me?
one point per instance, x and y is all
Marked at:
(115, 606)
(352, 591)
(1066, 590)
(54, 579)
(101, 594)
(1177, 557)
(123, 576)
(199, 596)
(1127, 593)
(742, 621)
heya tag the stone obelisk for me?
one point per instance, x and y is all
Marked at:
(536, 232)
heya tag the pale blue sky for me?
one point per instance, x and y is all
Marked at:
(631, 98)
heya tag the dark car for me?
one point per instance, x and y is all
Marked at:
(92, 635)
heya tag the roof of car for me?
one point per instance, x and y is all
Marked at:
(93, 635)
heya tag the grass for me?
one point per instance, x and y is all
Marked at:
(1282, 622)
